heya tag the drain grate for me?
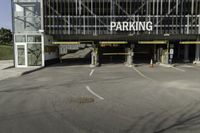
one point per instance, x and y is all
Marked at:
(82, 100)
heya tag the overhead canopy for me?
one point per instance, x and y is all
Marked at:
(190, 42)
(113, 42)
(153, 42)
(67, 43)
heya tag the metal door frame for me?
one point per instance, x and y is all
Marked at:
(25, 54)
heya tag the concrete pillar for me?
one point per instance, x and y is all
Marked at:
(197, 55)
(171, 53)
(129, 56)
(155, 53)
(158, 55)
(165, 56)
(186, 54)
(94, 57)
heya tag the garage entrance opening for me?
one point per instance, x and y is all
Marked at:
(115, 52)
(158, 51)
(143, 53)
(112, 54)
(185, 53)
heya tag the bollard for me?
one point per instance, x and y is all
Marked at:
(151, 63)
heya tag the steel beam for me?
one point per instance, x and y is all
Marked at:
(153, 42)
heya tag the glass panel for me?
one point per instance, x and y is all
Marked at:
(34, 38)
(27, 16)
(20, 38)
(34, 54)
(21, 54)
(18, 8)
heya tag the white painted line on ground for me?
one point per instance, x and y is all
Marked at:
(187, 66)
(141, 74)
(92, 71)
(95, 94)
(178, 69)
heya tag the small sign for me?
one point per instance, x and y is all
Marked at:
(171, 51)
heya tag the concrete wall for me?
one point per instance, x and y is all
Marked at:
(51, 51)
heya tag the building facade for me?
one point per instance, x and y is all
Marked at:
(42, 26)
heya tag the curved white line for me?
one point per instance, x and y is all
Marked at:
(95, 94)
(141, 74)
(92, 71)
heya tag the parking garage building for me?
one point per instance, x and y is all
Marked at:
(46, 31)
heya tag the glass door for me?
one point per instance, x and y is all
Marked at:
(34, 52)
(21, 55)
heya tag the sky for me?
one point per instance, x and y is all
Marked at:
(5, 14)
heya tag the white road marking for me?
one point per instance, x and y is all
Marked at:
(141, 74)
(187, 66)
(95, 94)
(178, 69)
(92, 71)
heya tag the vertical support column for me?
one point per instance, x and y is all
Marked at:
(169, 6)
(95, 56)
(42, 14)
(171, 53)
(129, 56)
(199, 23)
(158, 55)
(95, 31)
(197, 55)
(157, 12)
(155, 53)
(42, 49)
(165, 55)
(186, 54)
(13, 29)
(42, 31)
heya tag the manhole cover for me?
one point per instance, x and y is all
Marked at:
(82, 100)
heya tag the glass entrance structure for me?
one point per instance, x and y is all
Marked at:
(27, 35)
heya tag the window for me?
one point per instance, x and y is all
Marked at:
(20, 38)
(27, 16)
(33, 38)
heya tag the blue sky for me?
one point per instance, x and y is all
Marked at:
(5, 14)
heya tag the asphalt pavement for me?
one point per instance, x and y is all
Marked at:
(107, 99)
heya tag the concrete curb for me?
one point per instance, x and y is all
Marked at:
(16, 74)
(197, 63)
(166, 65)
(31, 71)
